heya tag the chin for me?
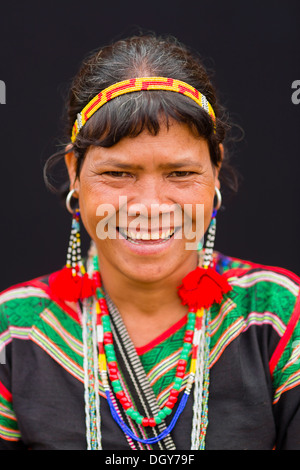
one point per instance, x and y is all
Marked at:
(151, 271)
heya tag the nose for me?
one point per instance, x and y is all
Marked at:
(154, 204)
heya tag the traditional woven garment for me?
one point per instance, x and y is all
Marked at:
(254, 369)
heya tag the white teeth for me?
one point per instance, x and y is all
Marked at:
(155, 236)
(147, 236)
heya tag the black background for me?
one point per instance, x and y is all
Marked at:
(254, 48)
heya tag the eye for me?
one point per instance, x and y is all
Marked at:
(181, 174)
(116, 174)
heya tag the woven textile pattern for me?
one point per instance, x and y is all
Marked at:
(262, 303)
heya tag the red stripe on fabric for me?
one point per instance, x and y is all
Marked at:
(295, 315)
(73, 313)
(283, 271)
(237, 271)
(41, 285)
(285, 338)
(16, 286)
(170, 331)
(5, 393)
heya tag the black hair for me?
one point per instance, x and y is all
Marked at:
(130, 114)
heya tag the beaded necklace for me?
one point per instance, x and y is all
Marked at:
(108, 367)
(196, 344)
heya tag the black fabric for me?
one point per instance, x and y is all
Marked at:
(49, 403)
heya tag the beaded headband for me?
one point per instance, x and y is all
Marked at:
(139, 84)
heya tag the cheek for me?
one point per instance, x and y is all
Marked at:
(91, 203)
(88, 216)
(203, 204)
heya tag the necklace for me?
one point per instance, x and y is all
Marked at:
(196, 344)
(202, 283)
(199, 374)
(108, 366)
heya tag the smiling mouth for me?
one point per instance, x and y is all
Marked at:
(146, 237)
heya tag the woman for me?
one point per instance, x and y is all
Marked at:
(193, 349)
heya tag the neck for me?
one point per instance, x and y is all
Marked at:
(147, 308)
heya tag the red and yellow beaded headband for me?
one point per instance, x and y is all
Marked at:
(139, 84)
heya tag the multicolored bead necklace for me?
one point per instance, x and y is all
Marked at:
(108, 366)
(199, 290)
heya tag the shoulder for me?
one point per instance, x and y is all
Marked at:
(265, 296)
(233, 267)
(261, 296)
(258, 288)
(267, 284)
(22, 304)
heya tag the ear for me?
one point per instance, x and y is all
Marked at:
(218, 168)
(71, 164)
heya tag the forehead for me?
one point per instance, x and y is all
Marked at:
(173, 144)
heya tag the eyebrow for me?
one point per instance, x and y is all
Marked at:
(179, 164)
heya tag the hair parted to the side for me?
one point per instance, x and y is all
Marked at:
(128, 115)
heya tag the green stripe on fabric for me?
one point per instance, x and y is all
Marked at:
(22, 312)
(7, 412)
(47, 324)
(56, 352)
(161, 361)
(8, 422)
(288, 366)
(263, 296)
(4, 403)
(63, 331)
(9, 434)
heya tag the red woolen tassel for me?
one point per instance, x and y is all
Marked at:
(71, 288)
(203, 287)
(88, 287)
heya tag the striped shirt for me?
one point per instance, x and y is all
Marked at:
(254, 367)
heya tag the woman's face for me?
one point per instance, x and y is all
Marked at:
(149, 185)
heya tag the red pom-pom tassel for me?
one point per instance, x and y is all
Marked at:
(88, 287)
(203, 287)
(68, 287)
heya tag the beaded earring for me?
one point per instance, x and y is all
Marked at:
(72, 283)
(204, 286)
(211, 232)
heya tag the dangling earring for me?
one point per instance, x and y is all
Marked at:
(74, 261)
(211, 232)
(72, 282)
(204, 286)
